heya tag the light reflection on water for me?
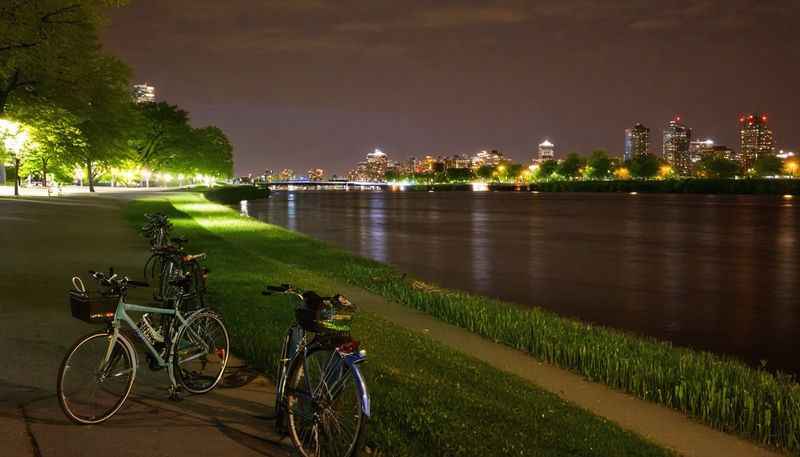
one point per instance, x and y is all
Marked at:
(712, 272)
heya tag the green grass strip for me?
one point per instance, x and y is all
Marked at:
(720, 391)
(428, 400)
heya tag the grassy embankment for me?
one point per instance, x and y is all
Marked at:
(674, 186)
(427, 399)
(719, 391)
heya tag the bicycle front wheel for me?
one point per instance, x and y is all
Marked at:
(91, 389)
(323, 406)
(201, 352)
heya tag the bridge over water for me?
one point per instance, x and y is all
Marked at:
(327, 185)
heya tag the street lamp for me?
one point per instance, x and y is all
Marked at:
(15, 137)
(146, 175)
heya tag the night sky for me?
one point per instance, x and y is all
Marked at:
(306, 83)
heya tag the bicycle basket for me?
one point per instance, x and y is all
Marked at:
(93, 308)
(332, 316)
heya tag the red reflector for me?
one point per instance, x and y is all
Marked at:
(349, 347)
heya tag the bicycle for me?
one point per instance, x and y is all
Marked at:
(169, 261)
(321, 400)
(97, 374)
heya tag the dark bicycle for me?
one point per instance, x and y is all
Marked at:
(321, 396)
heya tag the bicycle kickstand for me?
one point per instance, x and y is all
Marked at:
(175, 393)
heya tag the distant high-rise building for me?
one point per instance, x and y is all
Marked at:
(676, 146)
(492, 158)
(637, 141)
(699, 149)
(547, 151)
(371, 170)
(144, 93)
(756, 139)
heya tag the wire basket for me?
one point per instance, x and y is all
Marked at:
(332, 317)
(93, 308)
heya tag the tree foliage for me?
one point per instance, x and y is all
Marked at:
(718, 167)
(644, 166)
(768, 165)
(571, 166)
(599, 164)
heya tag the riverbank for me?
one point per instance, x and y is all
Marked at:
(428, 399)
(721, 392)
(683, 186)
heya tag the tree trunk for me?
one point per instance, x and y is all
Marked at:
(16, 178)
(91, 175)
(44, 173)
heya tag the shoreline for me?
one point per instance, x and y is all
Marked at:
(711, 388)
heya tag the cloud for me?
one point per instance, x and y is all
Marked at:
(467, 16)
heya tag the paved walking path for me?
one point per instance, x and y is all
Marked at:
(42, 244)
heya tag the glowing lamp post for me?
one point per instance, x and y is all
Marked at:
(14, 139)
(146, 175)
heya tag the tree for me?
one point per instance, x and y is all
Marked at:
(644, 166)
(571, 166)
(599, 165)
(44, 45)
(768, 166)
(164, 135)
(486, 172)
(718, 167)
(546, 169)
(107, 120)
(460, 175)
(212, 152)
(54, 131)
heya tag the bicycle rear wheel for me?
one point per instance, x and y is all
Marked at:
(89, 391)
(323, 406)
(201, 352)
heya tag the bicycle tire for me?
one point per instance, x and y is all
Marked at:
(199, 382)
(122, 351)
(323, 417)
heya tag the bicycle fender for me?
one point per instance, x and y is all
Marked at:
(352, 361)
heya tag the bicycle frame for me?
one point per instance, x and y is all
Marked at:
(121, 315)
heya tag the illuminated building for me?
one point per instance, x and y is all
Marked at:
(491, 158)
(315, 174)
(699, 149)
(756, 139)
(547, 151)
(371, 170)
(637, 141)
(458, 161)
(676, 146)
(144, 93)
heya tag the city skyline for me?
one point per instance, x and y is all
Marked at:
(301, 84)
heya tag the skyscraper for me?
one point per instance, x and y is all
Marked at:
(144, 93)
(676, 146)
(547, 151)
(756, 139)
(637, 141)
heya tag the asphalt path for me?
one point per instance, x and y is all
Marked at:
(43, 243)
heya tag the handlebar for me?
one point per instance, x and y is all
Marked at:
(114, 280)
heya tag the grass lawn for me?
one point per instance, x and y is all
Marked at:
(427, 399)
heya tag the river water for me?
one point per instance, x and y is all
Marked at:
(718, 273)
